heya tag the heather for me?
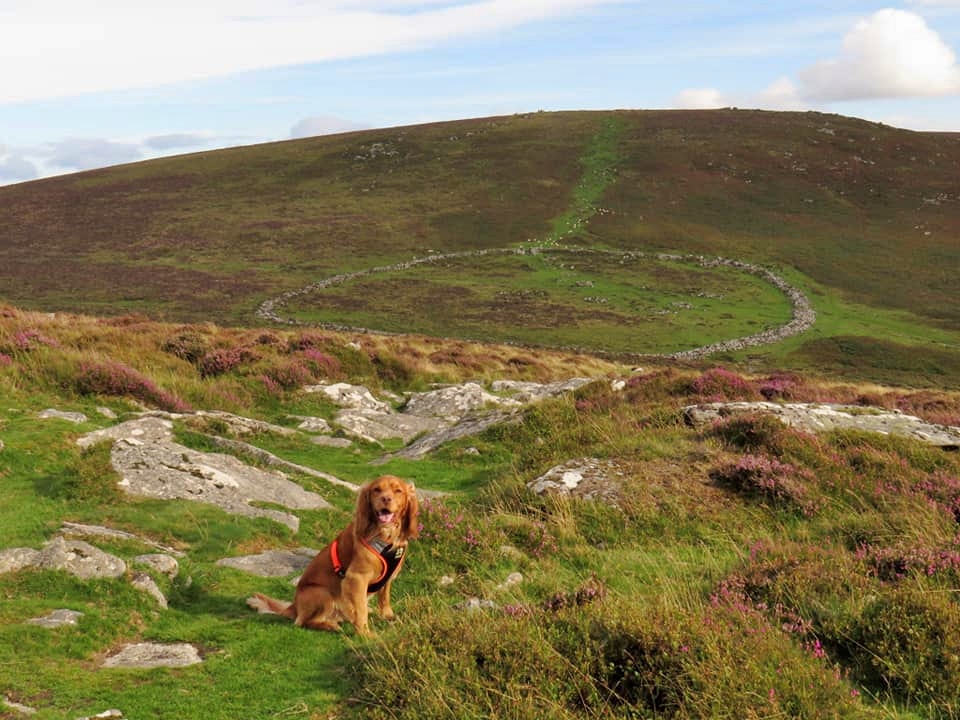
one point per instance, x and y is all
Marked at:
(739, 569)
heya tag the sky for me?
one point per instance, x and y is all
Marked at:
(92, 83)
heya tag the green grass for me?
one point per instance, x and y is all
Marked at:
(746, 570)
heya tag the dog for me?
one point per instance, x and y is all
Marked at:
(364, 559)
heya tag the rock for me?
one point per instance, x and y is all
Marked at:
(821, 417)
(586, 478)
(80, 559)
(152, 655)
(153, 465)
(527, 392)
(372, 426)
(111, 714)
(57, 618)
(14, 559)
(17, 707)
(451, 404)
(72, 528)
(334, 442)
(163, 564)
(273, 563)
(470, 426)
(350, 396)
(75, 417)
(145, 583)
(313, 425)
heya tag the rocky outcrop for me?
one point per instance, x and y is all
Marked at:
(153, 655)
(76, 557)
(820, 417)
(152, 464)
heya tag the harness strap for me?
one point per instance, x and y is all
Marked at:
(389, 561)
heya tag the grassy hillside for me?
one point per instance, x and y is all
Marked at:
(742, 570)
(861, 216)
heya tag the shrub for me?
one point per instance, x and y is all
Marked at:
(779, 483)
(223, 360)
(115, 378)
(908, 641)
(321, 364)
(719, 384)
(187, 344)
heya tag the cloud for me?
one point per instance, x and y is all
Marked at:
(323, 125)
(86, 153)
(892, 53)
(175, 141)
(16, 168)
(59, 48)
(700, 99)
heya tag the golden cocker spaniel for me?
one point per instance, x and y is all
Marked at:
(363, 559)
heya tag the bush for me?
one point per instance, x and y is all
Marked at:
(115, 378)
(908, 641)
(719, 384)
(187, 344)
(778, 483)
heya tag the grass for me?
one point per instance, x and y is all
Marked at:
(796, 560)
(857, 214)
(743, 570)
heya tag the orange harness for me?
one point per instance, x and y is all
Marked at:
(391, 558)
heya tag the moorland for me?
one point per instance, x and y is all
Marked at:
(744, 570)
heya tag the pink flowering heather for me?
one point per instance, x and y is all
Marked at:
(26, 340)
(114, 378)
(770, 479)
(719, 384)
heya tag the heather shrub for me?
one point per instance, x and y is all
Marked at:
(770, 480)
(907, 642)
(24, 341)
(720, 384)
(115, 378)
(321, 364)
(755, 434)
(287, 375)
(223, 360)
(187, 344)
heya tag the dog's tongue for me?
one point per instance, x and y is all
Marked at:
(385, 517)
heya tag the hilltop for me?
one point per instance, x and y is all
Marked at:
(860, 216)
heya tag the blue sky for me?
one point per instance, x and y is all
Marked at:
(87, 84)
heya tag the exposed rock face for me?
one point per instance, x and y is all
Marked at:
(819, 417)
(74, 556)
(587, 478)
(151, 655)
(57, 618)
(153, 465)
(273, 563)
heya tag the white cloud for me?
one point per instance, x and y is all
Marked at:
(16, 168)
(892, 53)
(85, 153)
(175, 141)
(322, 125)
(58, 48)
(700, 99)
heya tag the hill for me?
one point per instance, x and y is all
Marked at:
(861, 217)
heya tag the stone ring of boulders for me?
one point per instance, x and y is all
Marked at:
(803, 315)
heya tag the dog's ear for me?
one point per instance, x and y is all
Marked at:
(411, 520)
(362, 515)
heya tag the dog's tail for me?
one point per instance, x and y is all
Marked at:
(264, 604)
